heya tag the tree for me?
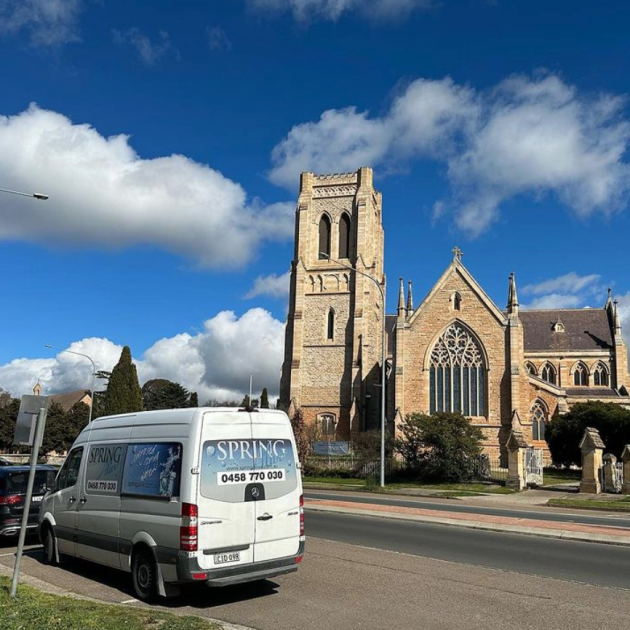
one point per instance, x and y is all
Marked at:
(264, 399)
(56, 430)
(440, 447)
(8, 417)
(160, 393)
(213, 402)
(564, 433)
(301, 435)
(123, 393)
(194, 400)
(245, 401)
(76, 421)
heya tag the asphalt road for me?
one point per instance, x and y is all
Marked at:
(543, 514)
(379, 573)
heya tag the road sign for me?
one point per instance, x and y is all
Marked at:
(25, 426)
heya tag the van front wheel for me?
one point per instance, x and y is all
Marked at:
(144, 574)
(50, 546)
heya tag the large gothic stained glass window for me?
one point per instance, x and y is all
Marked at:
(457, 373)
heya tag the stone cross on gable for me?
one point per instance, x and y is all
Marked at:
(457, 254)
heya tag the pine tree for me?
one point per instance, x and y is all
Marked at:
(76, 420)
(194, 400)
(264, 399)
(55, 430)
(245, 401)
(160, 393)
(123, 393)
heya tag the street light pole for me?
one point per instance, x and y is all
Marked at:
(383, 332)
(80, 354)
(39, 196)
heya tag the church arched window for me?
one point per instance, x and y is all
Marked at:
(580, 375)
(330, 325)
(344, 236)
(328, 424)
(539, 420)
(548, 373)
(531, 368)
(324, 237)
(457, 373)
(456, 300)
(600, 375)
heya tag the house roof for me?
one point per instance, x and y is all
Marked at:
(584, 329)
(69, 399)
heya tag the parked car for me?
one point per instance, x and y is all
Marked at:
(13, 480)
(205, 495)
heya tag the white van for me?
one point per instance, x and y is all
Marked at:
(208, 495)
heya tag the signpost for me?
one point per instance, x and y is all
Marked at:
(29, 431)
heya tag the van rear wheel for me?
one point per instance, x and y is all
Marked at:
(144, 574)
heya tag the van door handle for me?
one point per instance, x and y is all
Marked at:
(265, 517)
(72, 499)
(83, 500)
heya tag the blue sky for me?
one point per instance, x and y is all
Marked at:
(170, 143)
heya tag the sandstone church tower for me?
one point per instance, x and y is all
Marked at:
(332, 357)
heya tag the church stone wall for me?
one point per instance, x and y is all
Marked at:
(430, 320)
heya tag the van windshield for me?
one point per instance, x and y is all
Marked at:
(15, 483)
(231, 468)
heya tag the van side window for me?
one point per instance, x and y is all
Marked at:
(69, 473)
(104, 467)
(153, 469)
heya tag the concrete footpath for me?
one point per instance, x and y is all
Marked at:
(530, 526)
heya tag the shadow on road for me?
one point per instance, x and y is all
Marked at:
(192, 595)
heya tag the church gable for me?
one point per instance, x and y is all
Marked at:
(455, 307)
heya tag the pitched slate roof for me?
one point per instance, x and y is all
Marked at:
(591, 392)
(585, 329)
(67, 401)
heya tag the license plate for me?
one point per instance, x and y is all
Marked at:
(225, 558)
(36, 499)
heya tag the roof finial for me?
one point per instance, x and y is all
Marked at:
(457, 254)
(401, 299)
(512, 304)
(409, 300)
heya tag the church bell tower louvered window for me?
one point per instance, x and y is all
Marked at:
(457, 373)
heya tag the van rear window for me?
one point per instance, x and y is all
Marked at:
(153, 469)
(231, 469)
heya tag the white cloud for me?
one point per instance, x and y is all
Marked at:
(527, 135)
(571, 282)
(311, 10)
(555, 301)
(49, 23)
(102, 193)
(570, 290)
(216, 363)
(272, 285)
(218, 39)
(150, 52)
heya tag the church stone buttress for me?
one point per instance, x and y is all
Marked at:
(331, 367)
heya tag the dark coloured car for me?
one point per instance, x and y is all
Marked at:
(13, 480)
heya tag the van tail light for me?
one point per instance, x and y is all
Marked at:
(301, 515)
(188, 533)
(12, 499)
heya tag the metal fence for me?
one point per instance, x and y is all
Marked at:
(348, 464)
(486, 468)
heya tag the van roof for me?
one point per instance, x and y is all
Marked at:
(182, 416)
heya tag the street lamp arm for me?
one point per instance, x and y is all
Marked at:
(39, 196)
(361, 273)
(85, 356)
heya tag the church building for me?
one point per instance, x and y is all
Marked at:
(455, 351)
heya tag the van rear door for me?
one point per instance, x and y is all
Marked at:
(226, 512)
(278, 507)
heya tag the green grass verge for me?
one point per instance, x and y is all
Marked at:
(555, 477)
(612, 505)
(465, 489)
(34, 610)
